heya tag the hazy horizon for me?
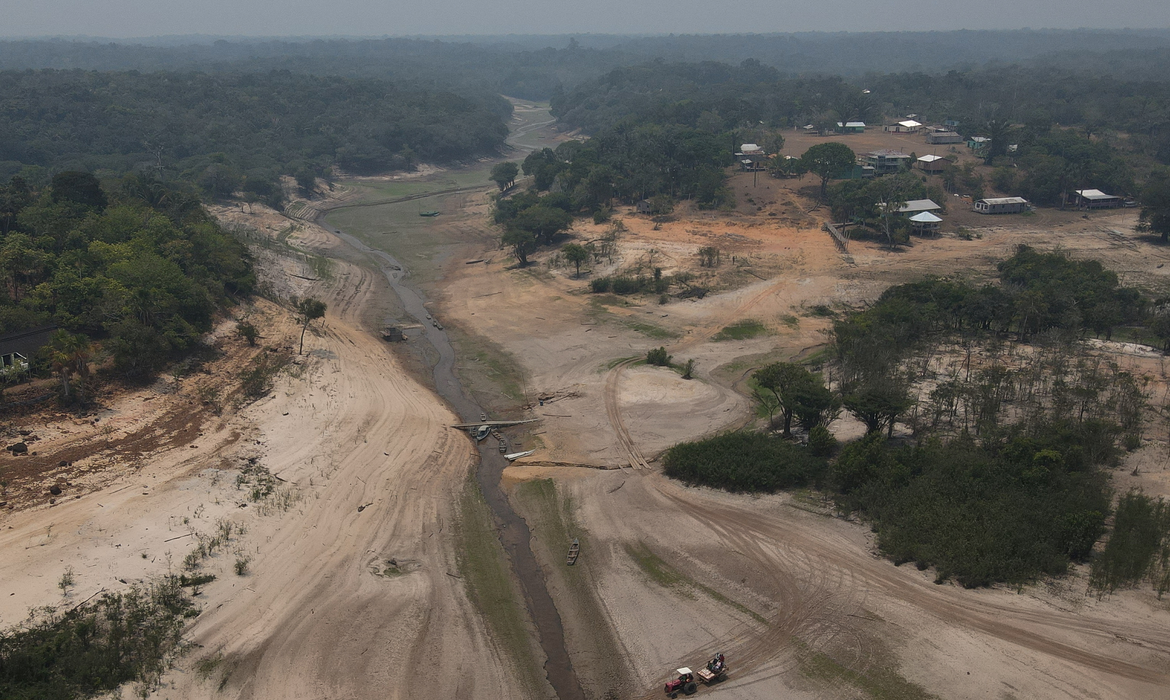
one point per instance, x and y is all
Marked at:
(356, 19)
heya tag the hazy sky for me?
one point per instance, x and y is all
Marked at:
(137, 18)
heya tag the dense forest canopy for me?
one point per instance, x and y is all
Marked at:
(220, 130)
(141, 267)
(712, 96)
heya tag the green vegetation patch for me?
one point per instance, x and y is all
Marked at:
(877, 683)
(94, 648)
(1139, 547)
(653, 566)
(1007, 511)
(741, 330)
(743, 461)
(483, 566)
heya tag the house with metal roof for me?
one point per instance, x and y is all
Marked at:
(931, 164)
(925, 224)
(906, 126)
(886, 161)
(943, 137)
(915, 206)
(851, 127)
(1095, 199)
(1002, 205)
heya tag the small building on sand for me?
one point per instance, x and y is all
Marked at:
(886, 161)
(751, 157)
(907, 126)
(943, 137)
(18, 346)
(931, 164)
(925, 224)
(978, 143)
(1095, 199)
(1002, 205)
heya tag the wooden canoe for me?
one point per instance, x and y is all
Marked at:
(574, 550)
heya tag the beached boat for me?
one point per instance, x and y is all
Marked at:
(574, 550)
(481, 432)
(517, 455)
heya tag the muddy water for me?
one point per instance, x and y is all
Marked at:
(513, 530)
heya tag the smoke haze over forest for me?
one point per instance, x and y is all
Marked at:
(139, 18)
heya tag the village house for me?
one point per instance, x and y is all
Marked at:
(916, 206)
(751, 157)
(931, 164)
(925, 224)
(17, 347)
(1095, 199)
(1002, 205)
(908, 126)
(886, 161)
(851, 127)
(943, 137)
(978, 143)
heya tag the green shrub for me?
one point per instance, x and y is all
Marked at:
(600, 285)
(1011, 512)
(658, 357)
(741, 330)
(821, 442)
(743, 462)
(94, 648)
(1138, 548)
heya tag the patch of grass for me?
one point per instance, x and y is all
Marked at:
(483, 565)
(668, 577)
(741, 330)
(482, 361)
(549, 512)
(790, 321)
(615, 362)
(821, 311)
(651, 331)
(258, 379)
(652, 565)
(879, 683)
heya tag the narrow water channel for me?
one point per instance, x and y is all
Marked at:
(513, 530)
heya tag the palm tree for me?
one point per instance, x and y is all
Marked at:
(69, 354)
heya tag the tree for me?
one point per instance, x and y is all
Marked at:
(307, 311)
(543, 221)
(69, 354)
(576, 254)
(1155, 197)
(79, 188)
(522, 242)
(999, 131)
(504, 174)
(878, 403)
(248, 331)
(793, 390)
(827, 160)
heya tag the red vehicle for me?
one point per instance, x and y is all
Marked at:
(685, 683)
(715, 671)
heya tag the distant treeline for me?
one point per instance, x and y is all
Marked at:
(532, 67)
(225, 132)
(714, 97)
